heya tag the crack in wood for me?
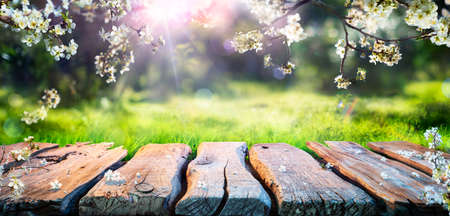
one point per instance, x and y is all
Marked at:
(8, 166)
(69, 204)
(56, 158)
(225, 192)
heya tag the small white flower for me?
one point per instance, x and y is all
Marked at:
(202, 185)
(282, 168)
(58, 30)
(55, 185)
(65, 4)
(114, 178)
(341, 82)
(384, 175)
(44, 162)
(17, 186)
(28, 139)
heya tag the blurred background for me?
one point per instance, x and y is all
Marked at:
(197, 88)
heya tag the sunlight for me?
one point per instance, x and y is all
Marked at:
(178, 13)
(174, 11)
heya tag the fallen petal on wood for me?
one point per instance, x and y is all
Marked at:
(302, 187)
(406, 152)
(74, 166)
(398, 185)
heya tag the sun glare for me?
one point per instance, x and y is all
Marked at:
(177, 13)
(173, 11)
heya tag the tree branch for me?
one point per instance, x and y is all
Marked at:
(6, 20)
(291, 10)
(341, 69)
(322, 5)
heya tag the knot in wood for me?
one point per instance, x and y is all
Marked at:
(203, 161)
(144, 187)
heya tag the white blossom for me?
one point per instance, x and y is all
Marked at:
(55, 185)
(251, 40)
(114, 178)
(17, 186)
(293, 31)
(341, 82)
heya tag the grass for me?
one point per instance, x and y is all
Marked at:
(254, 114)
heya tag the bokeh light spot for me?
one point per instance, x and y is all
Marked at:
(203, 94)
(13, 127)
(15, 100)
(446, 88)
(278, 73)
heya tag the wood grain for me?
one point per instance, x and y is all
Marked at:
(219, 183)
(303, 187)
(399, 150)
(74, 166)
(161, 168)
(398, 185)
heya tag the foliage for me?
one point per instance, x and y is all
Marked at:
(277, 20)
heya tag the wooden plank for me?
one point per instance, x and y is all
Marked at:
(219, 183)
(398, 185)
(151, 192)
(302, 187)
(406, 152)
(76, 167)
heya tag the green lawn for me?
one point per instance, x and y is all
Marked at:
(252, 113)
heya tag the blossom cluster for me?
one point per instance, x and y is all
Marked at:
(17, 186)
(423, 14)
(115, 9)
(20, 154)
(114, 178)
(342, 83)
(49, 100)
(251, 40)
(145, 34)
(48, 24)
(268, 61)
(342, 47)
(266, 12)
(287, 68)
(361, 74)
(119, 55)
(293, 31)
(441, 169)
(387, 54)
(432, 135)
(371, 14)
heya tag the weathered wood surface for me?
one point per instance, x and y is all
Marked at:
(398, 185)
(219, 183)
(75, 166)
(302, 187)
(406, 152)
(6, 149)
(161, 169)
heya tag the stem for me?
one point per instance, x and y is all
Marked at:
(341, 69)
(292, 10)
